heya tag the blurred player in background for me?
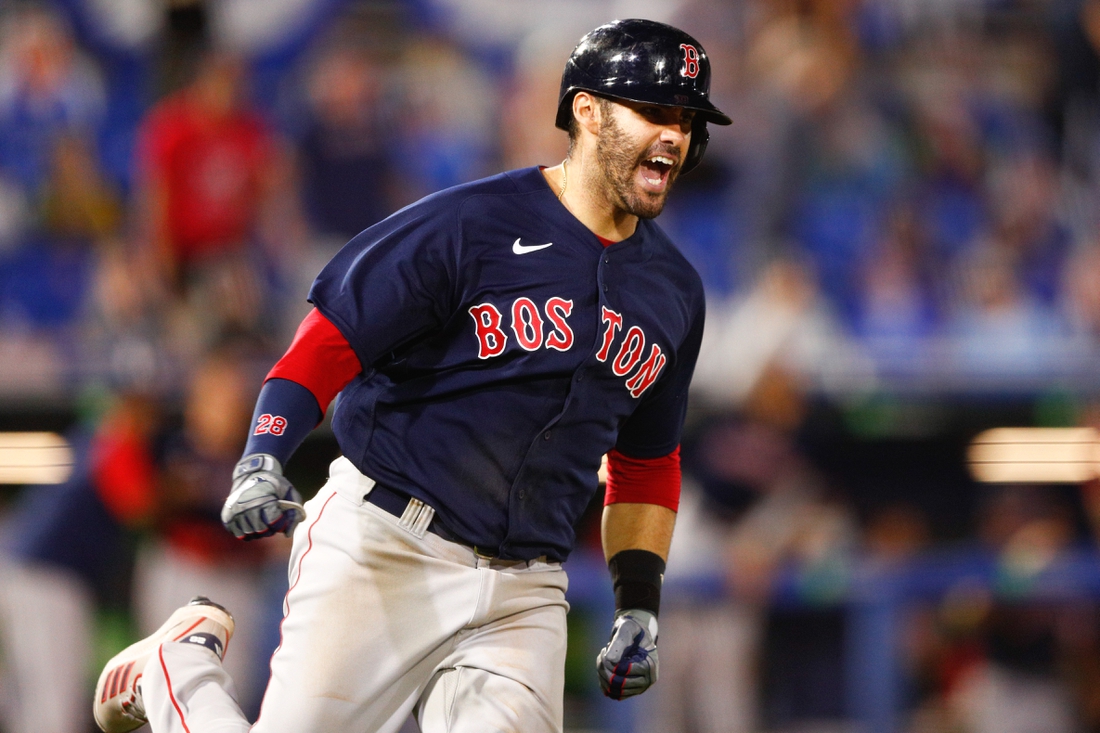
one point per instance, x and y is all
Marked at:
(490, 344)
(69, 554)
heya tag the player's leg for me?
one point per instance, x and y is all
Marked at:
(507, 674)
(369, 616)
(185, 689)
(173, 678)
(166, 577)
(471, 700)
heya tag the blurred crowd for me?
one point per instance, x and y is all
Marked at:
(908, 203)
(927, 170)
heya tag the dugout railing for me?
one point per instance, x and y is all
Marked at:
(873, 596)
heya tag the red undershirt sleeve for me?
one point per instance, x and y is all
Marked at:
(643, 480)
(319, 358)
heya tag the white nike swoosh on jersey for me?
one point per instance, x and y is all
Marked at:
(522, 249)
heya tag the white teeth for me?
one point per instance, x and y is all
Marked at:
(661, 159)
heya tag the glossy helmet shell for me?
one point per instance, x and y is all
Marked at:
(643, 61)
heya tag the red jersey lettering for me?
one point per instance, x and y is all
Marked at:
(491, 337)
(629, 353)
(614, 322)
(527, 324)
(561, 337)
(648, 372)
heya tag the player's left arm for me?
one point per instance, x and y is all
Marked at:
(643, 495)
(638, 518)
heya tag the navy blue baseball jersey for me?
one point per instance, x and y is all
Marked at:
(505, 350)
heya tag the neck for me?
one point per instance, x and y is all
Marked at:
(585, 196)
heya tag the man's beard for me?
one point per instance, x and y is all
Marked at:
(619, 164)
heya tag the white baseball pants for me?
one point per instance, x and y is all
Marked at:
(380, 622)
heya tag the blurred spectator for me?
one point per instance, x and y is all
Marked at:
(77, 202)
(850, 177)
(449, 118)
(192, 554)
(528, 135)
(782, 321)
(213, 207)
(1081, 289)
(69, 554)
(345, 156)
(52, 104)
(47, 88)
(1001, 329)
(1024, 191)
(897, 307)
(46, 281)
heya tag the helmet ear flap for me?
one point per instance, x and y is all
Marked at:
(700, 136)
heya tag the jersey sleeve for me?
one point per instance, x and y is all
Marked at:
(393, 282)
(653, 430)
(643, 480)
(319, 358)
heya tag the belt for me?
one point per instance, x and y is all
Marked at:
(405, 508)
(396, 503)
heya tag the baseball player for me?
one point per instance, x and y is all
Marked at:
(488, 345)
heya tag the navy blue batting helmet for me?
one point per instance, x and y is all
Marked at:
(643, 61)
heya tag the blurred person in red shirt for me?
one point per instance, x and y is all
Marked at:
(211, 177)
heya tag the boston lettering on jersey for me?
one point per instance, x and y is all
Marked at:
(528, 327)
(494, 374)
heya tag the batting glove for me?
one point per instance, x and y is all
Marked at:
(628, 664)
(262, 501)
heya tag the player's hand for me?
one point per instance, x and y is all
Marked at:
(262, 501)
(628, 664)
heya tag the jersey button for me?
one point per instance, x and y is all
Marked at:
(605, 288)
(546, 435)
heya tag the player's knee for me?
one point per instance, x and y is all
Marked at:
(470, 700)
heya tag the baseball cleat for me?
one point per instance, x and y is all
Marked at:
(118, 706)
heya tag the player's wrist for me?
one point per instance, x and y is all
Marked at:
(637, 577)
(256, 462)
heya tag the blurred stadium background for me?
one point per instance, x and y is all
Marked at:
(900, 241)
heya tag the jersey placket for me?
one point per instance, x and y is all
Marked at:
(585, 386)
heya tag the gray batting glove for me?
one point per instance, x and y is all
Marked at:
(262, 501)
(628, 664)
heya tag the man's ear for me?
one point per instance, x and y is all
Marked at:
(587, 111)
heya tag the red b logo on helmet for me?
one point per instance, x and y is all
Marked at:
(691, 61)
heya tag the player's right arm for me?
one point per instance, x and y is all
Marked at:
(293, 400)
(388, 285)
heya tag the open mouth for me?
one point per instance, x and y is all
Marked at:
(655, 171)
